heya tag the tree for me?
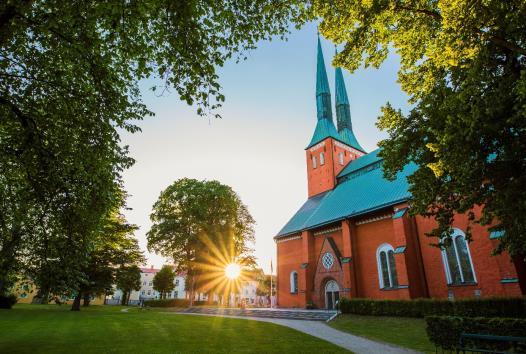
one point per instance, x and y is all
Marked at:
(163, 281)
(202, 226)
(128, 279)
(464, 65)
(114, 246)
(69, 79)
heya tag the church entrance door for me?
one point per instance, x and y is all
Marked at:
(332, 294)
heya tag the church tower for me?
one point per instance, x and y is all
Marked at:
(328, 151)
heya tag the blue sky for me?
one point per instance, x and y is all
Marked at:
(258, 146)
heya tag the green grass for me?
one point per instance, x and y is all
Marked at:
(404, 332)
(105, 329)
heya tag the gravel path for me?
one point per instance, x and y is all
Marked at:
(321, 330)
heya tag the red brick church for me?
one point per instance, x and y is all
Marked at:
(353, 236)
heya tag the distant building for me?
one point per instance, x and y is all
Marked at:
(147, 291)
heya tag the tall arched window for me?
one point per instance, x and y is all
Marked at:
(294, 282)
(457, 260)
(386, 266)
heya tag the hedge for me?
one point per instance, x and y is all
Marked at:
(487, 307)
(444, 331)
(167, 303)
(7, 301)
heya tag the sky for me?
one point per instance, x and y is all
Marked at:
(258, 147)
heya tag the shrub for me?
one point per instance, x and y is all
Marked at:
(7, 301)
(445, 331)
(167, 303)
(488, 307)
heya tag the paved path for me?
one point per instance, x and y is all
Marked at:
(321, 330)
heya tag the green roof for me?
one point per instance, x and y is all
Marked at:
(348, 138)
(364, 161)
(324, 129)
(362, 190)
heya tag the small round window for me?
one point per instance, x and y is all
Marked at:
(327, 260)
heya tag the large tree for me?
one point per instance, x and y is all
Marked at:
(463, 63)
(163, 281)
(202, 226)
(69, 73)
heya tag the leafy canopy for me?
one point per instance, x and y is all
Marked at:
(163, 281)
(463, 63)
(202, 226)
(69, 73)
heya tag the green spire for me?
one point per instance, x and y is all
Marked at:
(343, 113)
(323, 93)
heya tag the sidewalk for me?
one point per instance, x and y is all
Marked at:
(358, 345)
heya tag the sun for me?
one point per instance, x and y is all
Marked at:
(232, 271)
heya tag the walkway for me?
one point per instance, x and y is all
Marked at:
(316, 328)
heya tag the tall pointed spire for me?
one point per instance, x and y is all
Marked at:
(323, 93)
(343, 113)
(325, 127)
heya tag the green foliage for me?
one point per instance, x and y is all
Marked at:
(69, 75)
(488, 307)
(202, 226)
(464, 67)
(168, 303)
(163, 281)
(127, 279)
(7, 301)
(445, 331)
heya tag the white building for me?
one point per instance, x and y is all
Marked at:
(148, 293)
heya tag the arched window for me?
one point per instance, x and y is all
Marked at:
(457, 260)
(294, 282)
(386, 266)
(322, 158)
(314, 162)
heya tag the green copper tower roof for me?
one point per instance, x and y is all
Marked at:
(323, 93)
(325, 127)
(343, 113)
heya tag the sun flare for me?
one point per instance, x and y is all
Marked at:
(232, 271)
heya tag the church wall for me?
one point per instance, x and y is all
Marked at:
(289, 259)
(369, 237)
(489, 270)
(321, 178)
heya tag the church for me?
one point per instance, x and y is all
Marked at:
(353, 237)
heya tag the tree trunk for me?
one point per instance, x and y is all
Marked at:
(87, 299)
(192, 292)
(124, 296)
(76, 303)
(128, 298)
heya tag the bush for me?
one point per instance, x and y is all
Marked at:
(488, 307)
(167, 303)
(7, 301)
(444, 331)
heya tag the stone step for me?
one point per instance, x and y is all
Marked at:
(293, 315)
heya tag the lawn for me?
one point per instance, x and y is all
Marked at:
(103, 329)
(404, 332)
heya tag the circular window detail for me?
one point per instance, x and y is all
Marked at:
(327, 260)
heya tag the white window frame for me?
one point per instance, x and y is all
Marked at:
(341, 158)
(314, 162)
(322, 158)
(293, 283)
(384, 247)
(457, 233)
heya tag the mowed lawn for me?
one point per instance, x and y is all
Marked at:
(401, 331)
(105, 329)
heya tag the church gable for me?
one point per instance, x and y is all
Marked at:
(329, 259)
